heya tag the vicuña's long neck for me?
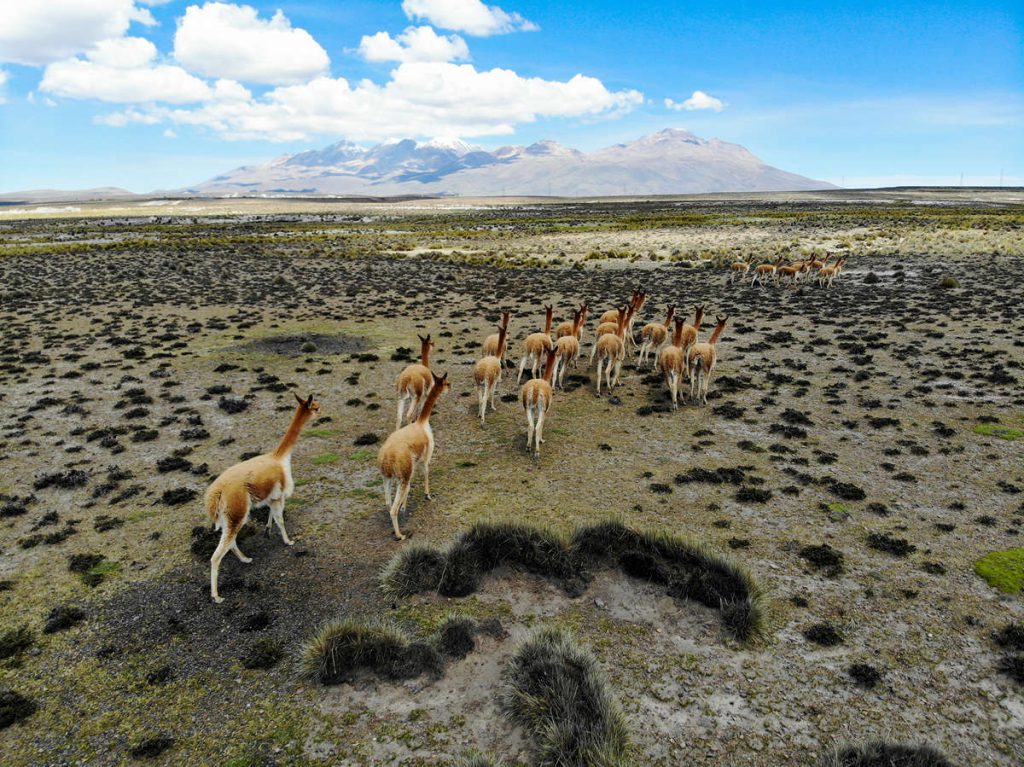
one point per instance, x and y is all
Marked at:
(547, 321)
(292, 435)
(502, 335)
(425, 355)
(677, 336)
(668, 317)
(717, 334)
(549, 368)
(428, 406)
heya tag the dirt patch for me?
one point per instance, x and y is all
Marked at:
(298, 344)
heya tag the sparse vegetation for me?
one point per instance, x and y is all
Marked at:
(878, 753)
(556, 692)
(687, 570)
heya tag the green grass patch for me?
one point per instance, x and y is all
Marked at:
(995, 430)
(321, 433)
(1003, 570)
(106, 567)
(323, 458)
(361, 455)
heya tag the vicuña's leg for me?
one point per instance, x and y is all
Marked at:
(401, 411)
(618, 371)
(397, 506)
(522, 367)
(541, 414)
(426, 470)
(494, 390)
(600, 362)
(483, 401)
(226, 538)
(529, 425)
(277, 510)
(387, 492)
(673, 387)
(238, 552)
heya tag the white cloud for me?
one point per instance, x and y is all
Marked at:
(224, 40)
(121, 71)
(39, 32)
(470, 16)
(421, 99)
(699, 100)
(414, 44)
(169, 133)
(123, 52)
(3, 84)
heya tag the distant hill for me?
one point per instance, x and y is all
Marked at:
(667, 162)
(67, 195)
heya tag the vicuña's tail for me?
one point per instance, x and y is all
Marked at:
(214, 501)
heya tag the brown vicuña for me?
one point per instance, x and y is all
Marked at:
(536, 346)
(567, 348)
(414, 384)
(265, 480)
(653, 336)
(671, 359)
(406, 448)
(487, 374)
(536, 396)
(700, 362)
(611, 350)
(494, 346)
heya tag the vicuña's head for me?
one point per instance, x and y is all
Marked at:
(442, 382)
(425, 346)
(505, 317)
(719, 327)
(308, 407)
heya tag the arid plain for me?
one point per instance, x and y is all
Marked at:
(859, 453)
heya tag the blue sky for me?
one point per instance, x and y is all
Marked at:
(865, 93)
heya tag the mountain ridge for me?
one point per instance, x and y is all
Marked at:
(671, 161)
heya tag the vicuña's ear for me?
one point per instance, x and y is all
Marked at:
(298, 398)
(309, 402)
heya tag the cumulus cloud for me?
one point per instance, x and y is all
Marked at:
(699, 100)
(231, 41)
(414, 44)
(3, 84)
(122, 71)
(470, 16)
(421, 99)
(39, 32)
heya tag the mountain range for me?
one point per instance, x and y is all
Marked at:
(668, 162)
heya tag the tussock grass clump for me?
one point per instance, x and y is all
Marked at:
(14, 707)
(415, 568)
(878, 753)
(343, 647)
(1012, 664)
(15, 641)
(1011, 636)
(687, 570)
(824, 558)
(897, 547)
(554, 689)
(824, 634)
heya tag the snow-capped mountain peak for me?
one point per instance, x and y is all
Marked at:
(671, 161)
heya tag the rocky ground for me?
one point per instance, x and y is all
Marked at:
(856, 453)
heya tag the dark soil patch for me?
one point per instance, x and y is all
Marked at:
(291, 345)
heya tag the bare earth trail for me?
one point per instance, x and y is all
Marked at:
(136, 373)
